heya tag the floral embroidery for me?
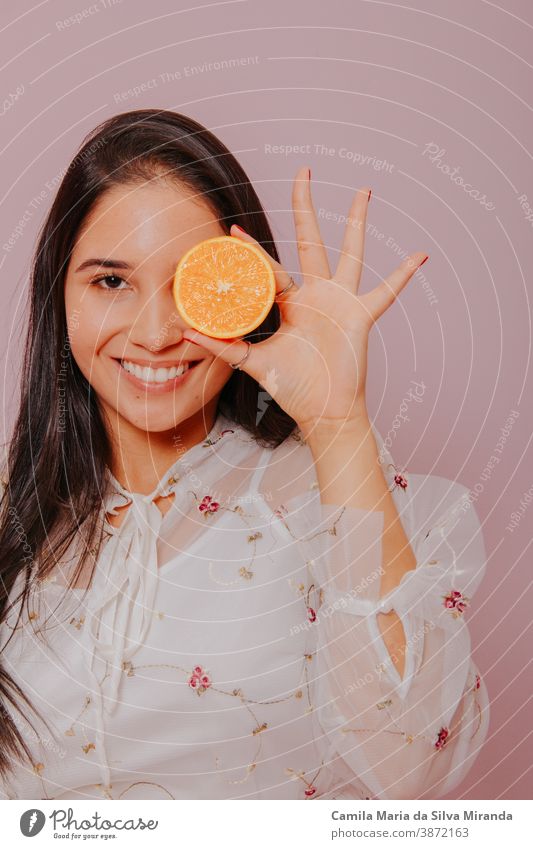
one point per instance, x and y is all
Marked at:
(475, 687)
(88, 748)
(456, 602)
(399, 478)
(208, 505)
(210, 441)
(244, 572)
(311, 605)
(442, 737)
(310, 788)
(444, 733)
(105, 790)
(199, 680)
(136, 784)
(70, 731)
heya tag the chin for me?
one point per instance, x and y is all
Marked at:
(154, 423)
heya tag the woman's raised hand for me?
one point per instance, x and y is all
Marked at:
(315, 365)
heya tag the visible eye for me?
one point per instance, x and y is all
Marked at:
(112, 282)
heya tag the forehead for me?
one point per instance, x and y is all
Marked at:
(146, 217)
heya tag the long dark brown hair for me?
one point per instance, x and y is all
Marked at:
(55, 473)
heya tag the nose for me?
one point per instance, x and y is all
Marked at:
(158, 324)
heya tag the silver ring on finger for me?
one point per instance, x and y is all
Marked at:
(286, 289)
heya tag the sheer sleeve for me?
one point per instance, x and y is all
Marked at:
(416, 736)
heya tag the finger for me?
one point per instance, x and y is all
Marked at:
(311, 251)
(380, 298)
(350, 265)
(282, 276)
(229, 350)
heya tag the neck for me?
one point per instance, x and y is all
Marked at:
(140, 458)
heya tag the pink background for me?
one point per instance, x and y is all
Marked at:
(377, 79)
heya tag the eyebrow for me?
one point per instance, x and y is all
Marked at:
(103, 263)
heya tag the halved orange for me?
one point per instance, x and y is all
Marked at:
(224, 287)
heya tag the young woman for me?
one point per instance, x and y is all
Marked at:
(215, 582)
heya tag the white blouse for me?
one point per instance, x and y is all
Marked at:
(231, 649)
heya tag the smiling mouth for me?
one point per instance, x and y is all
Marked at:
(160, 375)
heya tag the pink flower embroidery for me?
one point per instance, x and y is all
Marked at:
(442, 736)
(456, 602)
(310, 788)
(207, 505)
(311, 614)
(210, 441)
(199, 680)
(399, 478)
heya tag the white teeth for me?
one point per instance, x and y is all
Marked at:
(150, 375)
(163, 374)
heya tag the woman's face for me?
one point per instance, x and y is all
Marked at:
(124, 330)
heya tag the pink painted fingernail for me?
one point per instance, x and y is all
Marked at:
(239, 228)
(423, 261)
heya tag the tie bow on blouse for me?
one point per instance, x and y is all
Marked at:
(121, 607)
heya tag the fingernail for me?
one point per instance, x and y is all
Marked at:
(423, 261)
(369, 193)
(239, 228)
(308, 173)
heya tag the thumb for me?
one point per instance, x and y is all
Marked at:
(229, 350)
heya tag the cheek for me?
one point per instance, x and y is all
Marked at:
(88, 333)
(217, 374)
(89, 326)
